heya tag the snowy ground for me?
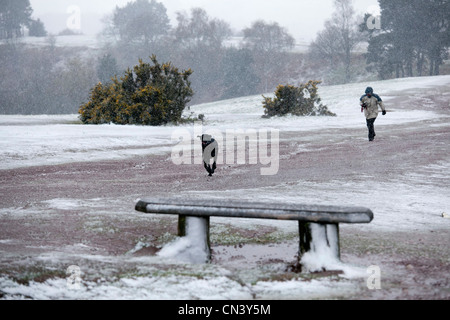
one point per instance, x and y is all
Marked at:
(80, 41)
(68, 194)
(42, 140)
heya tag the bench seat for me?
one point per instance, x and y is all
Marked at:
(314, 220)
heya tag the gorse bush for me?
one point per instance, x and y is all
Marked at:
(298, 101)
(150, 94)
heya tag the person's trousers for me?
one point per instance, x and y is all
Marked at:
(371, 127)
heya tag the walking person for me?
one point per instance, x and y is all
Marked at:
(369, 105)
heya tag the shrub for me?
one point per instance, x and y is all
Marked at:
(151, 94)
(298, 101)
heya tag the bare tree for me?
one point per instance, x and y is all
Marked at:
(199, 30)
(142, 21)
(269, 43)
(199, 41)
(338, 40)
(267, 37)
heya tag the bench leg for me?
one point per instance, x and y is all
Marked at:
(182, 226)
(197, 230)
(316, 236)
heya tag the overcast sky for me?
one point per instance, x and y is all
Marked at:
(302, 18)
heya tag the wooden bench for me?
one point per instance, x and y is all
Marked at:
(317, 224)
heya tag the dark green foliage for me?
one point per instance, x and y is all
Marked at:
(414, 38)
(37, 29)
(150, 94)
(14, 15)
(298, 101)
(107, 68)
(239, 79)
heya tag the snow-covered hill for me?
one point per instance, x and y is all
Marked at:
(405, 203)
(40, 140)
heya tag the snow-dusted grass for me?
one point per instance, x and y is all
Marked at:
(415, 202)
(403, 204)
(80, 41)
(38, 143)
(41, 140)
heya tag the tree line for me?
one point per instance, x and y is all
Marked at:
(201, 43)
(409, 38)
(413, 39)
(15, 18)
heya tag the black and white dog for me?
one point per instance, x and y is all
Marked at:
(210, 149)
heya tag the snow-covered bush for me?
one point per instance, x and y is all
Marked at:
(150, 94)
(298, 101)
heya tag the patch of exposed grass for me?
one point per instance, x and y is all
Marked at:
(230, 235)
(35, 273)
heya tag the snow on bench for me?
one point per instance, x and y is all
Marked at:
(318, 225)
